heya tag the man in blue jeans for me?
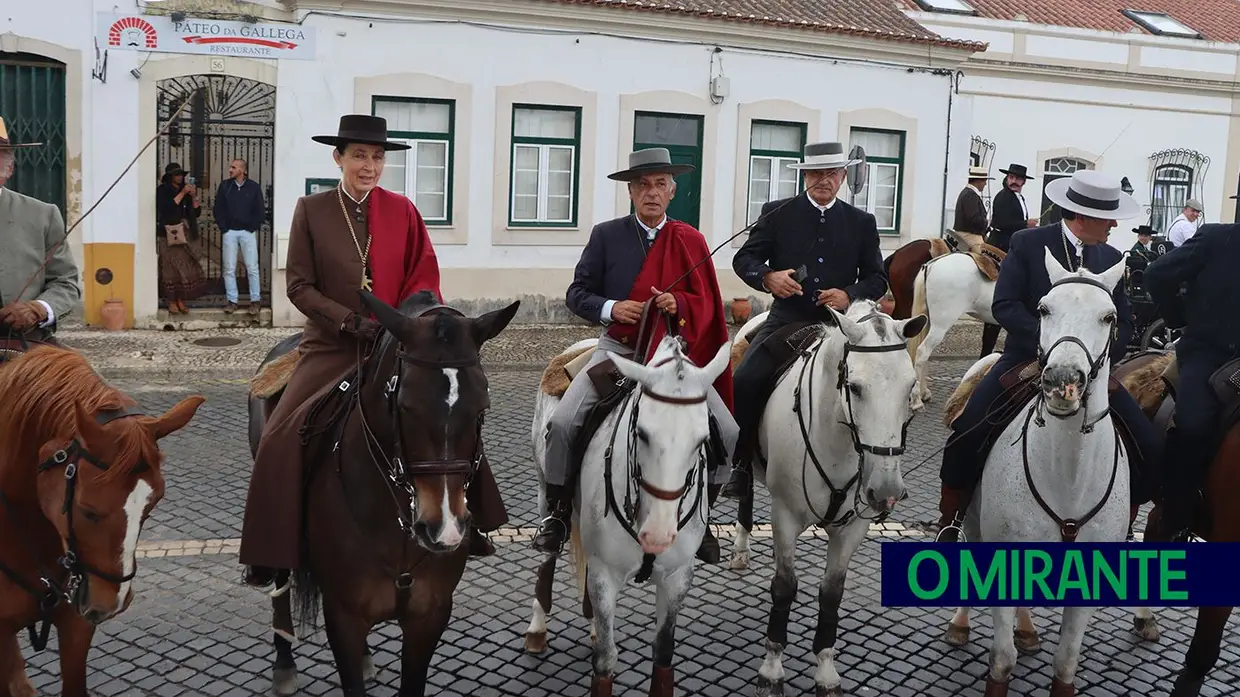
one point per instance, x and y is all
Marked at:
(239, 211)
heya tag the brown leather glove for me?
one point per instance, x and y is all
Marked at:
(22, 316)
(362, 327)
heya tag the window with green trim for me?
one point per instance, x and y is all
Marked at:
(546, 144)
(884, 184)
(424, 172)
(773, 145)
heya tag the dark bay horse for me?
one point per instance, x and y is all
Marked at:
(80, 471)
(385, 510)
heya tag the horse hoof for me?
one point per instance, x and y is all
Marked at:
(369, 672)
(824, 691)
(1060, 688)
(284, 681)
(956, 635)
(1027, 642)
(740, 561)
(768, 688)
(1147, 627)
(535, 642)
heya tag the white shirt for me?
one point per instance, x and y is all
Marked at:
(51, 315)
(821, 208)
(1181, 230)
(345, 189)
(604, 315)
(1077, 244)
(1023, 207)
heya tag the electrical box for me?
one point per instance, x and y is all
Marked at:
(720, 87)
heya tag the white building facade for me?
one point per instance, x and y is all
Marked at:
(518, 109)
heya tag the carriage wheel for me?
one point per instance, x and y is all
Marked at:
(1158, 336)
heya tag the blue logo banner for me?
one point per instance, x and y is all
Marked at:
(1056, 574)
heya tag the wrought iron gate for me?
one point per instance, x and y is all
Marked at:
(32, 102)
(227, 118)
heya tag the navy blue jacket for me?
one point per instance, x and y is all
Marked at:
(1208, 264)
(841, 252)
(609, 265)
(239, 208)
(1023, 282)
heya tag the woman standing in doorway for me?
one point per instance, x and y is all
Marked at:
(177, 209)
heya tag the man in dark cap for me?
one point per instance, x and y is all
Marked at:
(836, 247)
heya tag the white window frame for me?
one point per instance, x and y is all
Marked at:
(871, 190)
(772, 194)
(411, 174)
(544, 177)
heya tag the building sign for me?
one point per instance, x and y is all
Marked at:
(204, 36)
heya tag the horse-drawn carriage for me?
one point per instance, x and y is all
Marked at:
(1149, 330)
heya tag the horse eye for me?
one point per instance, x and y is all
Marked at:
(855, 389)
(643, 435)
(92, 516)
(1044, 311)
(1109, 319)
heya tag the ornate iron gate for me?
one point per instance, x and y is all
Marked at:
(227, 118)
(32, 102)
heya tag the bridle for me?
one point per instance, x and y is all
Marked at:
(50, 592)
(1070, 528)
(840, 494)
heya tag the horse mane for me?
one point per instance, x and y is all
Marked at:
(861, 308)
(42, 387)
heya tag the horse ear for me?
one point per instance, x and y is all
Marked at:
(711, 371)
(913, 326)
(1110, 277)
(489, 326)
(846, 325)
(631, 369)
(88, 430)
(177, 417)
(1054, 269)
(389, 317)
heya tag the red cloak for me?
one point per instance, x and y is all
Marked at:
(699, 302)
(402, 259)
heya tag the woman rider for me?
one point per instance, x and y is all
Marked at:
(357, 235)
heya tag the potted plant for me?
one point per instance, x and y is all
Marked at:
(113, 310)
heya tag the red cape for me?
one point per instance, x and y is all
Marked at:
(699, 303)
(402, 259)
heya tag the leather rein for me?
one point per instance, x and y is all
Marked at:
(840, 494)
(53, 587)
(1070, 528)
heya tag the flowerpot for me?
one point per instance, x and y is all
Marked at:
(741, 310)
(113, 314)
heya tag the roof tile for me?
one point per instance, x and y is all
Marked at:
(881, 19)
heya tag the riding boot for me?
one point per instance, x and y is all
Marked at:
(952, 505)
(990, 337)
(555, 529)
(708, 551)
(259, 576)
(1177, 515)
(479, 544)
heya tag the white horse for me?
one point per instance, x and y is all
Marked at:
(641, 508)
(1073, 458)
(833, 434)
(945, 289)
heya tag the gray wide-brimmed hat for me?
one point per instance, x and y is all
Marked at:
(649, 161)
(1094, 194)
(824, 156)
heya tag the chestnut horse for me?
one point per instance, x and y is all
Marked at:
(80, 471)
(387, 471)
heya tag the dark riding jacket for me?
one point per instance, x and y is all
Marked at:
(838, 247)
(1023, 282)
(1207, 264)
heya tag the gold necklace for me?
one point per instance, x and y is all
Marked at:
(363, 255)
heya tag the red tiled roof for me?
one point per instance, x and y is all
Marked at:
(1216, 20)
(881, 19)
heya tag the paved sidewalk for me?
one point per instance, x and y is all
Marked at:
(235, 353)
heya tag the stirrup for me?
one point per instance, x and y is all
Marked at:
(544, 529)
(957, 524)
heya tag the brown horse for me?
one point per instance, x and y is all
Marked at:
(387, 474)
(80, 472)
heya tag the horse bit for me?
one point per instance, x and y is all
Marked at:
(839, 495)
(52, 593)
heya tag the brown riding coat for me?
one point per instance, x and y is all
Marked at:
(324, 272)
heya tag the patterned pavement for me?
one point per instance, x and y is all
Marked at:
(194, 630)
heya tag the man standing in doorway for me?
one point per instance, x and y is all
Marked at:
(239, 211)
(1186, 223)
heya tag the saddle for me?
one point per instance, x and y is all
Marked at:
(987, 257)
(328, 413)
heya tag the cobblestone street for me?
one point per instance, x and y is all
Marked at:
(193, 629)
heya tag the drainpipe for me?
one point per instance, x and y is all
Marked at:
(952, 86)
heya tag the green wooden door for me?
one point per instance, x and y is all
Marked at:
(681, 134)
(32, 103)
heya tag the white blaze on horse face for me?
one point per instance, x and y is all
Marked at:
(449, 532)
(454, 387)
(135, 504)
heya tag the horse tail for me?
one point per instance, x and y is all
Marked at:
(579, 558)
(920, 307)
(306, 600)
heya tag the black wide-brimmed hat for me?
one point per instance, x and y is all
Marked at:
(174, 169)
(361, 128)
(649, 161)
(1144, 230)
(7, 144)
(1017, 171)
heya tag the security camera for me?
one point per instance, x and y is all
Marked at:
(136, 73)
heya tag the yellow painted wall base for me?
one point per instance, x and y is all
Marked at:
(119, 258)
